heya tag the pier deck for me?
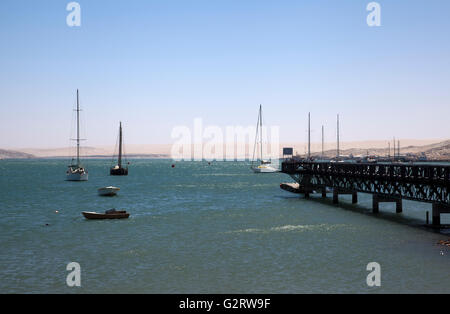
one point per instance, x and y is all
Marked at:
(388, 182)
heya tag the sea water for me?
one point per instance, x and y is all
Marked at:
(205, 228)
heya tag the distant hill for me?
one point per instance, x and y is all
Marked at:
(131, 151)
(436, 151)
(11, 154)
(66, 152)
(439, 152)
(433, 151)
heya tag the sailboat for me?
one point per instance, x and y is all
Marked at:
(260, 165)
(118, 170)
(76, 171)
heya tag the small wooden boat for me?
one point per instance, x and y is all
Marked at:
(108, 191)
(109, 214)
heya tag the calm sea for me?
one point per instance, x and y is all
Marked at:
(200, 228)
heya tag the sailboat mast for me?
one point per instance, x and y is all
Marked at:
(260, 130)
(120, 145)
(78, 130)
(322, 142)
(395, 152)
(309, 135)
(337, 148)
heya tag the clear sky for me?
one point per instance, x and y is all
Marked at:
(155, 64)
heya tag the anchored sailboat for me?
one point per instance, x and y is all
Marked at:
(260, 165)
(118, 170)
(76, 171)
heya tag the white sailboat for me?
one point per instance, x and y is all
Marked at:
(76, 171)
(261, 165)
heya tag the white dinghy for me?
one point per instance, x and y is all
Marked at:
(108, 191)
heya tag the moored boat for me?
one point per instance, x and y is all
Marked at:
(265, 166)
(118, 169)
(108, 191)
(76, 171)
(109, 214)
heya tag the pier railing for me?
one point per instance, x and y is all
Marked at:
(419, 182)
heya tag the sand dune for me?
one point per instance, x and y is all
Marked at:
(8, 154)
(100, 151)
(435, 149)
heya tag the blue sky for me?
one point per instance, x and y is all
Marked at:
(158, 64)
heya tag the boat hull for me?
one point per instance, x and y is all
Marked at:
(118, 171)
(116, 215)
(291, 187)
(77, 176)
(264, 169)
(108, 191)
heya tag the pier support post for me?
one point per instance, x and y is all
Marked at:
(354, 197)
(335, 196)
(377, 199)
(375, 204)
(436, 215)
(399, 206)
(439, 209)
(336, 193)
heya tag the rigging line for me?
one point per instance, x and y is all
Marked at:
(113, 163)
(124, 153)
(72, 128)
(256, 138)
(261, 130)
(83, 133)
